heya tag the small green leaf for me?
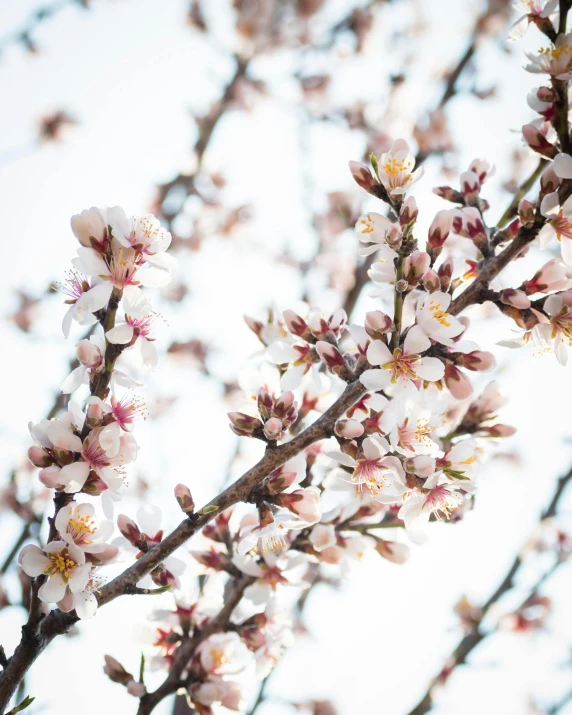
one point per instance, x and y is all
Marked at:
(207, 510)
(28, 700)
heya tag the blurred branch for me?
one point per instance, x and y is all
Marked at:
(473, 639)
(24, 35)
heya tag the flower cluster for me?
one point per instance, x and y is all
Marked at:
(84, 450)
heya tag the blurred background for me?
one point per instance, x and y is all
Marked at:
(233, 121)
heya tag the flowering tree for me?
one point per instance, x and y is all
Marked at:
(368, 430)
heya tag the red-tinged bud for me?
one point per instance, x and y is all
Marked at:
(88, 354)
(243, 425)
(516, 298)
(415, 266)
(115, 671)
(255, 325)
(508, 233)
(409, 212)
(362, 175)
(431, 282)
(421, 465)
(332, 357)
(402, 286)
(264, 403)
(538, 142)
(278, 481)
(296, 325)
(162, 577)
(50, 477)
(94, 486)
(210, 532)
(303, 502)
(273, 428)
(552, 276)
(63, 456)
(377, 324)
(526, 211)
(393, 551)
(499, 430)
(478, 361)
(348, 429)
(449, 194)
(472, 226)
(283, 405)
(445, 273)
(549, 181)
(184, 498)
(459, 385)
(482, 168)
(438, 232)
(130, 531)
(39, 457)
(546, 94)
(470, 187)
(94, 415)
(472, 270)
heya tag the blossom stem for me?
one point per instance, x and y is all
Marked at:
(398, 303)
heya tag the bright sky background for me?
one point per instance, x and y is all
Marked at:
(129, 71)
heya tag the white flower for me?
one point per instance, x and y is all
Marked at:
(435, 322)
(558, 333)
(531, 8)
(404, 366)
(375, 229)
(438, 497)
(77, 526)
(138, 329)
(396, 169)
(555, 60)
(64, 565)
(143, 233)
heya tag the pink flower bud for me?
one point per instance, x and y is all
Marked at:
(129, 529)
(377, 324)
(50, 477)
(264, 403)
(458, 384)
(549, 181)
(409, 212)
(63, 456)
(471, 225)
(304, 502)
(439, 231)
(273, 428)
(482, 168)
(393, 551)
(243, 425)
(445, 273)
(89, 354)
(552, 276)
(516, 298)
(212, 559)
(90, 229)
(478, 361)
(421, 465)
(295, 324)
(279, 481)
(431, 282)
(283, 405)
(415, 266)
(362, 175)
(526, 210)
(331, 357)
(39, 457)
(348, 429)
(499, 430)
(538, 142)
(94, 415)
(185, 499)
(470, 186)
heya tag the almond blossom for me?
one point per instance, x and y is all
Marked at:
(395, 169)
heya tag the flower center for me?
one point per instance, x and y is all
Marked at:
(442, 500)
(60, 563)
(80, 528)
(401, 366)
(440, 315)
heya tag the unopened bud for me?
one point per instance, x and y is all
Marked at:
(393, 551)
(89, 354)
(538, 142)
(445, 273)
(39, 457)
(115, 671)
(526, 211)
(130, 530)
(459, 385)
(377, 324)
(499, 430)
(296, 325)
(243, 425)
(278, 481)
(94, 414)
(449, 194)
(348, 429)
(409, 212)
(431, 282)
(470, 187)
(273, 428)
(549, 181)
(362, 175)
(516, 298)
(478, 361)
(185, 499)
